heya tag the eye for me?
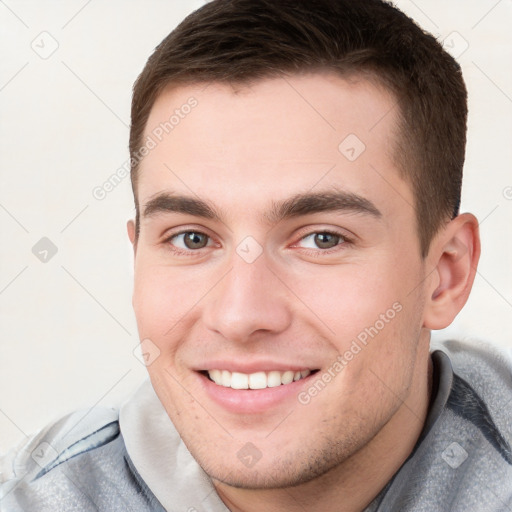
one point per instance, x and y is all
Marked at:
(190, 240)
(321, 240)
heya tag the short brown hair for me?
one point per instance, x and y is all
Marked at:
(241, 41)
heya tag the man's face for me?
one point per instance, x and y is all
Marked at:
(276, 239)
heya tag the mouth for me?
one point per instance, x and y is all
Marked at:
(257, 380)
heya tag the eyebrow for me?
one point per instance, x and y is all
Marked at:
(296, 206)
(170, 203)
(310, 203)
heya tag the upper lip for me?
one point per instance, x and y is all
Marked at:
(253, 367)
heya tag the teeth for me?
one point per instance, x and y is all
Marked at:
(287, 377)
(225, 378)
(216, 376)
(239, 380)
(273, 379)
(258, 380)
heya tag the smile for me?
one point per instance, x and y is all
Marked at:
(257, 380)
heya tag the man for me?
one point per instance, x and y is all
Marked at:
(296, 168)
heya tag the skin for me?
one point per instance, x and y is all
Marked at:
(242, 151)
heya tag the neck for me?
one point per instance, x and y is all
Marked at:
(355, 483)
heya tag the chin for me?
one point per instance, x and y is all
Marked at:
(287, 471)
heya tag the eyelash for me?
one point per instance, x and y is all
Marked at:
(344, 241)
(184, 252)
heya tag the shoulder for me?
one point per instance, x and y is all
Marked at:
(479, 361)
(483, 373)
(35, 471)
(464, 459)
(60, 441)
(481, 394)
(78, 463)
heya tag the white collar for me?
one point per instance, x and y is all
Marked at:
(161, 457)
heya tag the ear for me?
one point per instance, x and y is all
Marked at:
(454, 255)
(130, 227)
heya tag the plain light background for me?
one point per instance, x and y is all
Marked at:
(68, 333)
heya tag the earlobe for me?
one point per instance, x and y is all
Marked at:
(455, 254)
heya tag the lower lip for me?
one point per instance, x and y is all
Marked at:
(252, 401)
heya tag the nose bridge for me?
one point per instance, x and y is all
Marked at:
(249, 298)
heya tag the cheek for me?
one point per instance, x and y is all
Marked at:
(347, 300)
(160, 301)
(164, 307)
(167, 300)
(154, 303)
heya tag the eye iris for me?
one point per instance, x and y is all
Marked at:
(326, 240)
(195, 240)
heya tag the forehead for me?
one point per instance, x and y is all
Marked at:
(273, 138)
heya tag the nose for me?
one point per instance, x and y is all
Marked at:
(249, 300)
